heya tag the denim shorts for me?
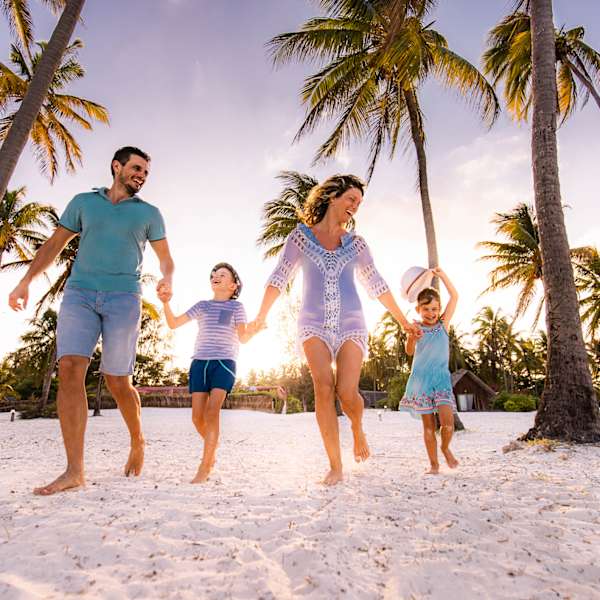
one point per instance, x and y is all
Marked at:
(206, 375)
(85, 315)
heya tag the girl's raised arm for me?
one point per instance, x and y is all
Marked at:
(451, 306)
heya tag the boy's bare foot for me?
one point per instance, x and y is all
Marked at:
(361, 448)
(135, 462)
(66, 481)
(333, 477)
(433, 470)
(202, 474)
(450, 458)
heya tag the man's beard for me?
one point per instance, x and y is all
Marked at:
(131, 189)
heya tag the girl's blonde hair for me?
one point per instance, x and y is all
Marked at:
(321, 195)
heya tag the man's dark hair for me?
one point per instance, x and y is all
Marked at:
(124, 154)
(236, 278)
(427, 295)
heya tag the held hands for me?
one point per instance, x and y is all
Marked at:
(17, 299)
(257, 325)
(164, 294)
(413, 330)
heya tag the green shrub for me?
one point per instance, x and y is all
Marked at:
(294, 405)
(395, 390)
(520, 403)
(499, 401)
(32, 411)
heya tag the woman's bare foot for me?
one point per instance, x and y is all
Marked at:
(433, 470)
(135, 462)
(361, 448)
(333, 477)
(450, 458)
(202, 474)
(67, 481)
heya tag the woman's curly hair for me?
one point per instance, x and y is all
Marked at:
(319, 197)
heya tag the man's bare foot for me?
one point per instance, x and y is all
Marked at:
(450, 458)
(361, 448)
(333, 477)
(202, 474)
(66, 481)
(135, 462)
(433, 470)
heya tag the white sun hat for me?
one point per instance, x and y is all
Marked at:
(414, 281)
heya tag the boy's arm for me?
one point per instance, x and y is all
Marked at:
(451, 306)
(245, 332)
(174, 321)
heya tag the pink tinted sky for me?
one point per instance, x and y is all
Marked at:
(190, 82)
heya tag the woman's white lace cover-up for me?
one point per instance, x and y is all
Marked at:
(330, 308)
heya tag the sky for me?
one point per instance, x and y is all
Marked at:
(190, 82)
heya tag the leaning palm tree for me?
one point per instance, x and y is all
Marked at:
(587, 279)
(20, 224)
(374, 58)
(568, 406)
(508, 59)
(37, 92)
(49, 131)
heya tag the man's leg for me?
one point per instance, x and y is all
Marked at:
(120, 329)
(72, 412)
(128, 401)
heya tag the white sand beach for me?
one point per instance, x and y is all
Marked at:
(525, 524)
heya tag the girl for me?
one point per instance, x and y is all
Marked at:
(221, 326)
(429, 387)
(331, 325)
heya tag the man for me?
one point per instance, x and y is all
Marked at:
(102, 298)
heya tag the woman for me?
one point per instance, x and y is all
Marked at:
(331, 324)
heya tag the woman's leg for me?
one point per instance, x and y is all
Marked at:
(199, 400)
(447, 430)
(212, 412)
(430, 442)
(319, 362)
(349, 360)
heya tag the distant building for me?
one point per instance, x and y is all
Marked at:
(466, 382)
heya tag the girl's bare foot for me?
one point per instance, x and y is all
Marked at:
(67, 481)
(202, 474)
(450, 458)
(361, 448)
(333, 477)
(135, 462)
(433, 470)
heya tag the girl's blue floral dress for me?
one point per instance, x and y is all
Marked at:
(429, 385)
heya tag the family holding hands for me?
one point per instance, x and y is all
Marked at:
(102, 298)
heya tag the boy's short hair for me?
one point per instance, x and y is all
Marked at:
(427, 295)
(234, 274)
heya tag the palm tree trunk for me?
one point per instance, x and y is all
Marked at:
(98, 399)
(588, 84)
(568, 407)
(36, 92)
(48, 378)
(416, 130)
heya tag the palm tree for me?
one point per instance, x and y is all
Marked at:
(19, 19)
(587, 280)
(568, 407)
(37, 91)
(508, 59)
(20, 223)
(496, 345)
(280, 216)
(375, 56)
(49, 131)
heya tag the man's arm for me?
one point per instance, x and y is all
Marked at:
(43, 258)
(167, 266)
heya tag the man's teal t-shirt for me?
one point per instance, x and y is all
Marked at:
(112, 240)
